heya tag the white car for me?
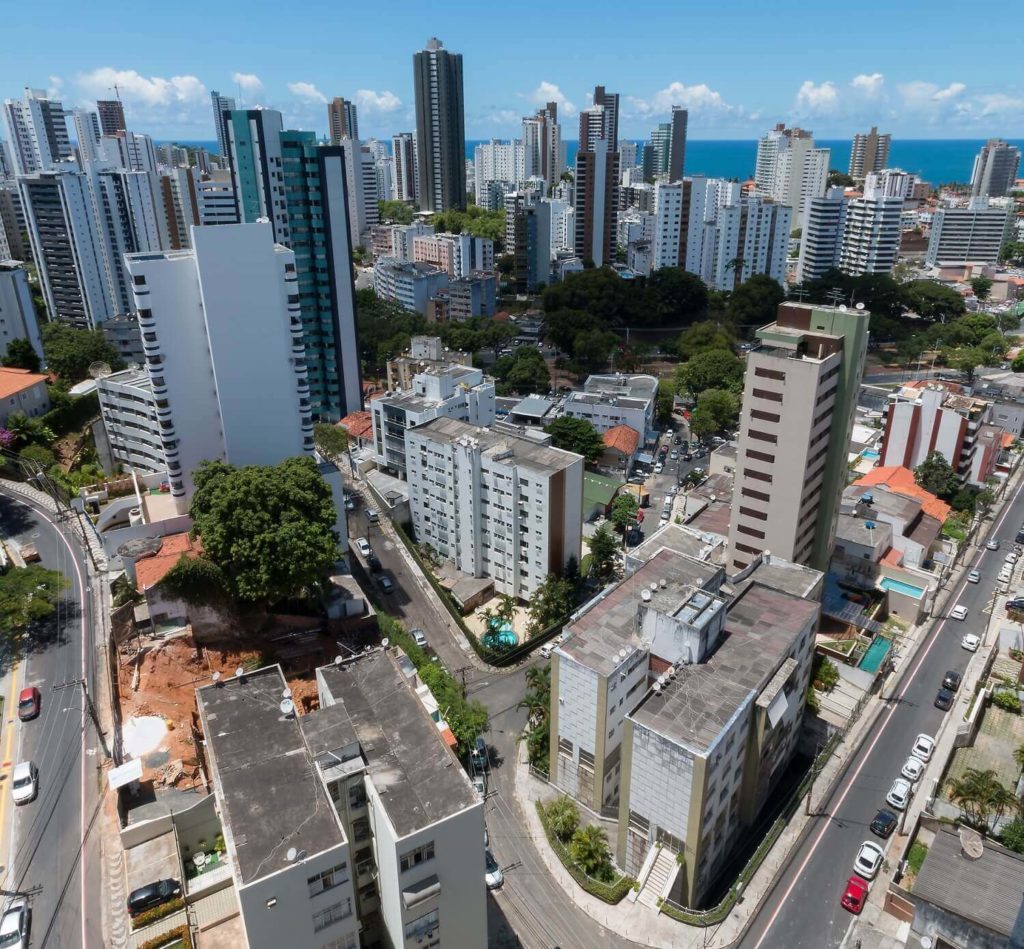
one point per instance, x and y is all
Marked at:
(659, 468)
(924, 745)
(363, 546)
(899, 794)
(970, 642)
(974, 577)
(480, 785)
(912, 768)
(492, 872)
(419, 637)
(548, 648)
(24, 782)
(958, 612)
(1005, 576)
(1011, 558)
(993, 544)
(15, 924)
(869, 859)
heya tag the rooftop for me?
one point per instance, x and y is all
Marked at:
(419, 780)
(271, 798)
(535, 406)
(901, 480)
(13, 381)
(859, 530)
(782, 575)
(760, 627)
(128, 377)
(896, 505)
(635, 386)
(986, 891)
(151, 570)
(358, 424)
(623, 438)
(597, 489)
(674, 537)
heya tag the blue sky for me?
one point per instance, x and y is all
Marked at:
(917, 69)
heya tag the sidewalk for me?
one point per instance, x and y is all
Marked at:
(635, 922)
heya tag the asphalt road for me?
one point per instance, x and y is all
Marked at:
(42, 848)
(802, 910)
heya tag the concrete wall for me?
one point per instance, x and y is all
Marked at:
(934, 922)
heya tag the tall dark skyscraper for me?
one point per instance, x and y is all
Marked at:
(111, 116)
(440, 128)
(610, 102)
(342, 120)
(677, 144)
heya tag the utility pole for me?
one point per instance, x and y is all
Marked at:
(71, 683)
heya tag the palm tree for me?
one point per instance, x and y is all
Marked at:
(563, 817)
(538, 678)
(589, 848)
(506, 608)
(982, 797)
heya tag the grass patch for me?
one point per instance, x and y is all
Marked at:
(915, 859)
(174, 939)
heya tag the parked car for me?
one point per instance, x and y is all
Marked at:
(480, 784)
(855, 895)
(350, 502)
(16, 924)
(152, 894)
(951, 680)
(386, 584)
(492, 872)
(659, 468)
(419, 637)
(970, 642)
(974, 577)
(944, 700)
(884, 823)
(992, 543)
(677, 440)
(899, 794)
(924, 745)
(1005, 575)
(958, 612)
(869, 859)
(547, 649)
(1011, 558)
(1019, 538)
(1017, 603)
(28, 707)
(363, 546)
(24, 782)
(912, 769)
(371, 515)
(674, 454)
(373, 562)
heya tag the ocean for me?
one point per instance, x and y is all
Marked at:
(938, 161)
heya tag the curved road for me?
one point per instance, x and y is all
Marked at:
(48, 847)
(802, 909)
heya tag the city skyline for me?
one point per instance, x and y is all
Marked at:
(166, 91)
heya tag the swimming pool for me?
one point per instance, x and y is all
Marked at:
(870, 453)
(500, 637)
(898, 586)
(875, 655)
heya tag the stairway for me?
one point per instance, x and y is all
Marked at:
(659, 881)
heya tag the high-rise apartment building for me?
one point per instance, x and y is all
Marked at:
(995, 169)
(403, 149)
(87, 133)
(544, 152)
(363, 196)
(440, 128)
(498, 161)
(12, 223)
(871, 234)
(254, 151)
(17, 312)
(221, 105)
(790, 170)
(669, 143)
(609, 103)
(342, 120)
(37, 131)
(821, 242)
(799, 399)
(869, 152)
(111, 115)
(596, 190)
(972, 234)
(217, 320)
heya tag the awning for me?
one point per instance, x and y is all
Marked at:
(778, 708)
(645, 458)
(125, 774)
(418, 892)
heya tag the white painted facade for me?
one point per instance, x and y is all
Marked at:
(498, 161)
(971, 234)
(128, 410)
(17, 313)
(821, 242)
(216, 197)
(37, 132)
(408, 284)
(871, 235)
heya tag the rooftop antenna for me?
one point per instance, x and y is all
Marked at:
(834, 296)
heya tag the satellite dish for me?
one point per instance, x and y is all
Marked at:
(860, 306)
(216, 677)
(287, 707)
(971, 843)
(286, 694)
(292, 854)
(385, 642)
(842, 307)
(338, 660)
(99, 370)
(239, 672)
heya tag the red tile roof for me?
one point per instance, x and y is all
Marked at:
(150, 571)
(13, 381)
(900, 480)
(623, 437)
(358, 424)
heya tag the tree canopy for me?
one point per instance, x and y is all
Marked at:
(705, 336)
(934, 474)
(21, 355)
(395, 212)
(551, 602)
(522, 373)
(578, 435)
(711, 369)
(982, 287)
(932, 301)
(476, 220)
(838, 178)
(756, 301)
(604, 551)
(624, 511)
(270, 529)
(28, 595)
(717, 410)
(70, 352)
(330, 440)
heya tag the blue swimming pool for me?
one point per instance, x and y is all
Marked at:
(898, 586)
(500, 637)
(875, 655)
(870, 453)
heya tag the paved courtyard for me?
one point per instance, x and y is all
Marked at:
(999, 735)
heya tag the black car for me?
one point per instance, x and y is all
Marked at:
(153, 894)
(1020, 537)
(884, 824)
(952, 681)
(374, 562)
(1017, 603)
(944, 700)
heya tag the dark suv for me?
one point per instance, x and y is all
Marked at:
(153, 894)
(952, 681)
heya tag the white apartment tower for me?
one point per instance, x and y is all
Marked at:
(219, 322)
(361, 184)
(995, 169)
(37, 131)
(17, 313)
(971, 234)
(821, 243)
(871, 234)
(221, 104)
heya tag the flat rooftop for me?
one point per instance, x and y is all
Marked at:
(674, 537)
(694, 707)
(863, 531)
(534, 406)
(610, 623)
(128, 377)
(638, 386)
(782, 575)
(527, 454)
(271, 797)
(418, 778)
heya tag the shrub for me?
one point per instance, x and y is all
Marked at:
(1007, 701)
(563, 817)
(182, 934)
(1013, 835)
(918, 851)
(826, 675)
(157, 912)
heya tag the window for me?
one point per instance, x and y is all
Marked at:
(761, 456)
(757, 495)
(750, 512)
(565, 747)
(587, 759)
(426, 925)
(139, 280)
(334, 913)
(764, 436)
(415, 857)
(328, 879)
(758, 475)
(764, 416)
(770, 374)
(766, 394)
(753, 532)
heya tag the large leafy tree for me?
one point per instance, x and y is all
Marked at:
(934, 474)
(21, 355)
(576, 434)
(522, 373)
(673, 296)
(385, 329)
(624, 510)
(270, 529)
(604, 551)
(755, 302)
(717, 410)
(932, 301)
(27, 595)
(330, 440)
(395, 212)
(563, 326)
(600, 292)
(551, 603)
(591, 350)
(704, 336)
(712, 369)
(70, 352)
(982, 287)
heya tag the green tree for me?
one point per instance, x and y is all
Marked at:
(330, 440)
(712, 369)
(755, 302)
(270, 529)
(551, 603)
(29, 430)
(522, 373)
(717, 410)
(1012, 835)
(1012, 252)
(70, 352)
(604, 295)
(837, 178)
(1018, 363)
(932, 301)
(466, 719)
(589, 849)
(665, 401)
(672, 296)
(197, 580)
(38, 455)
(604, 551)
(982, 287)
(385, 329)
(395, 212)
(28, 595)
(591, 350)
(21, 355)
(982, 797)
(576, 434)
(623, 513)
(563, 817)
(563, 326)
(966, 359)
(704, 336)
(935, 475)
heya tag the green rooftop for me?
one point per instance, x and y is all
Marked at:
(597, 489)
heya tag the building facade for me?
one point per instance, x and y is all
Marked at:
(408, 284)
(440, 128)
(342, 120)
(972, 234)
(608, 401)
(871, 234)
(221, 104)
(129, 414)
(17, 312)
(37, 132)
(869, 152)
(995, 169)
(596, 202)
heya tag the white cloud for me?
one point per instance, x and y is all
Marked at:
(371, 102)
(869, 85)
(699, 98)
(548, 92)
(998, 103)
(817, 98)
(950, 92)
(248, 81)
(307, 91)
(134, 88)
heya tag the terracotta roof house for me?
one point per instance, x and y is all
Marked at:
(620, 447)
(22, 391)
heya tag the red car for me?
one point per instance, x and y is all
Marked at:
(855, 894)
(28, 703)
